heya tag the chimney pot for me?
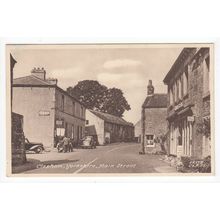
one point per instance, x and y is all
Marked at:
(150, 88)
(39, 73)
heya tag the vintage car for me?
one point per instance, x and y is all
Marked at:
(33, 146)
(88, 142)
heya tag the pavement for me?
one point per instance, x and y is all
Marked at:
(113, 158)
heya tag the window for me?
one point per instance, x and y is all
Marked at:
(66, 129)
(73, 108)
(80, 132)
(62, 102)
(81, 112)
(175, 92)
(72, 132)
(179, 89)
(171, 95)
(87, 122)
(206, 75)
(185, 83)
(150, 139)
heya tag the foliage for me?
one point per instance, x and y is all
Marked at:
(98, 97)
(89, 92)
(201, 166)
(204, 127)
(186, 161)
(114, 102)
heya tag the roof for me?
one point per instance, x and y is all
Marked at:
(33, 81)
(180, 59)
(138, 123)
(155, 101)
(111, 118)
(30, 80)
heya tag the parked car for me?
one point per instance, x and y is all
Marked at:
(33, 146)
(88, 142)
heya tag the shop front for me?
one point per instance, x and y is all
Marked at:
(181, 133)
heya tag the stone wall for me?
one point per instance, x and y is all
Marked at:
(201, 105)
(155, 121)
(17, 141)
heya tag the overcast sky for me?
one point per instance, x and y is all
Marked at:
(126, 67)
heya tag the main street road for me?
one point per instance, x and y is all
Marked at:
(113, 158)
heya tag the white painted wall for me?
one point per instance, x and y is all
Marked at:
(99, 126)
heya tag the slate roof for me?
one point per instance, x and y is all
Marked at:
(35, 81)
(155, 101)
(111, 118)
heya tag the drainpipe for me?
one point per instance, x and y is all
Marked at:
(142, 131)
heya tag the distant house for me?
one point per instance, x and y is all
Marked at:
(49, 111)
(137, 131)
(153, 118)
(108, 128)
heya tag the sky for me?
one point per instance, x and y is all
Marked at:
(127, 67)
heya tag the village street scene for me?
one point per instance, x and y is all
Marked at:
(110, 109)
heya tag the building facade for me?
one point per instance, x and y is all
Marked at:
(188, 111)
(108, 128)
(49, 111)
(153, 119)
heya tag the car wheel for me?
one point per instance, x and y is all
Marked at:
(39, 150)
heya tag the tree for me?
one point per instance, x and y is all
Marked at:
(98, 97)
(114, 102)
(89, 92)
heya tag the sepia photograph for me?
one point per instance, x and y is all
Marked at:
(110, 109)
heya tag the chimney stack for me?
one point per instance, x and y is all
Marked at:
(150, 88)
(52, 81)
(39, 73)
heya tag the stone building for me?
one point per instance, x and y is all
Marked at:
(188, 112)
(49, 111)
(108, 128)
(153, 118)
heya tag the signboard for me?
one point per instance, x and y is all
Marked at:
(179, 151)
(190, 118)
(44, 113)
(59, 122)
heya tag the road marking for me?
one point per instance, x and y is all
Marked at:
(116, 149)
(112, 149)
(86, 166)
